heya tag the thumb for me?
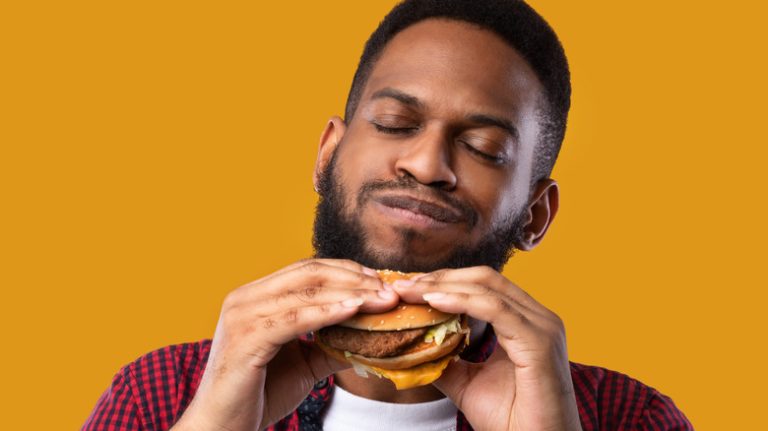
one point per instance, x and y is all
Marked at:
(455, 379)
(323, 362)
(460, 374)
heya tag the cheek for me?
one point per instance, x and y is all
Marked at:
(359, 162)
(493, 193)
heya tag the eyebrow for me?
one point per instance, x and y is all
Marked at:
(481, 119)
(490, 120)
(398, 95)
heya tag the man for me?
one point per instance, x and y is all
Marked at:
(441, 165)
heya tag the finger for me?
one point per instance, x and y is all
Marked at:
(310, 274)
(321, 363)
(455, 379)
(281, 328)
(508, 318)
(413, 292)
(340, 263)
(303, 364)
(372, 301)
(319, 273)
(487, 276)
(460, 375)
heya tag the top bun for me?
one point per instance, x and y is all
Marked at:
(389, 276)
(404, 316)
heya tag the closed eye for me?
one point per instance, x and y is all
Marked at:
(493, 159)
(496, 160)
(394, 130)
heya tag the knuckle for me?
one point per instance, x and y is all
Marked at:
(231, 299)
(303, 295)
(312, 267)
(291, 316)
(500, 305)
(309, 292)
(483, 289)
(487, 272)
(351, 263)
(361, 278)
(297, 264)
(268, 323)
(280, 296)
(228, 320)
(438, 275)
(558, 325)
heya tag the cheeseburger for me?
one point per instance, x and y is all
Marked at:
(410, 345)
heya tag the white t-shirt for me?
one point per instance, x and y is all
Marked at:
(349, 412)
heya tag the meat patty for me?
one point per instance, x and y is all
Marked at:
(373, 344)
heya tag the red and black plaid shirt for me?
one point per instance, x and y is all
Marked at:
(152, 393)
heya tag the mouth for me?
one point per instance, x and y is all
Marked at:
(418, 210)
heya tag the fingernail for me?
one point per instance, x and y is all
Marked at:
(352, 302)
(385, 294)
(433, 296)
(403, 283)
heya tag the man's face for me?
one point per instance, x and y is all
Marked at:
(435, 167)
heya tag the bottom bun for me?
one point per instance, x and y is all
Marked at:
(418, 375)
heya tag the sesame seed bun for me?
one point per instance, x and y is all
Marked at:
(414, 364)
(404, 316)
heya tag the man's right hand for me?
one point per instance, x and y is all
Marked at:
(258, 371)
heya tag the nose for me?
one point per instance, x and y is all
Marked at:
(427, 158)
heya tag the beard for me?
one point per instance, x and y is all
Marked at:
(337, 236)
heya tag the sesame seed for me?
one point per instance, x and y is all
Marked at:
(381, 323)
(399, 316)
(429, 310)
(411, 317)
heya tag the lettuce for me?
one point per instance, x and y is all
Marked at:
(438, 332)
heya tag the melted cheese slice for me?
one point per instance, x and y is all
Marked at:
(418, 376)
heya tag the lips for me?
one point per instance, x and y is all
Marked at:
(437, 212)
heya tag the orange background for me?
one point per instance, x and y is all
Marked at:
(156, 155)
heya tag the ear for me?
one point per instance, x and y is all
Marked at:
(329, 140)
(542, 209)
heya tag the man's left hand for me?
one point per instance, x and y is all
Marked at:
(524, 385)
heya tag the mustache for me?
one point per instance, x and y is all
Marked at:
(408, 183)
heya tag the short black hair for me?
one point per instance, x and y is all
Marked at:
(515, 22)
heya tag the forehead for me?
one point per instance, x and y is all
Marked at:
(456, 65)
